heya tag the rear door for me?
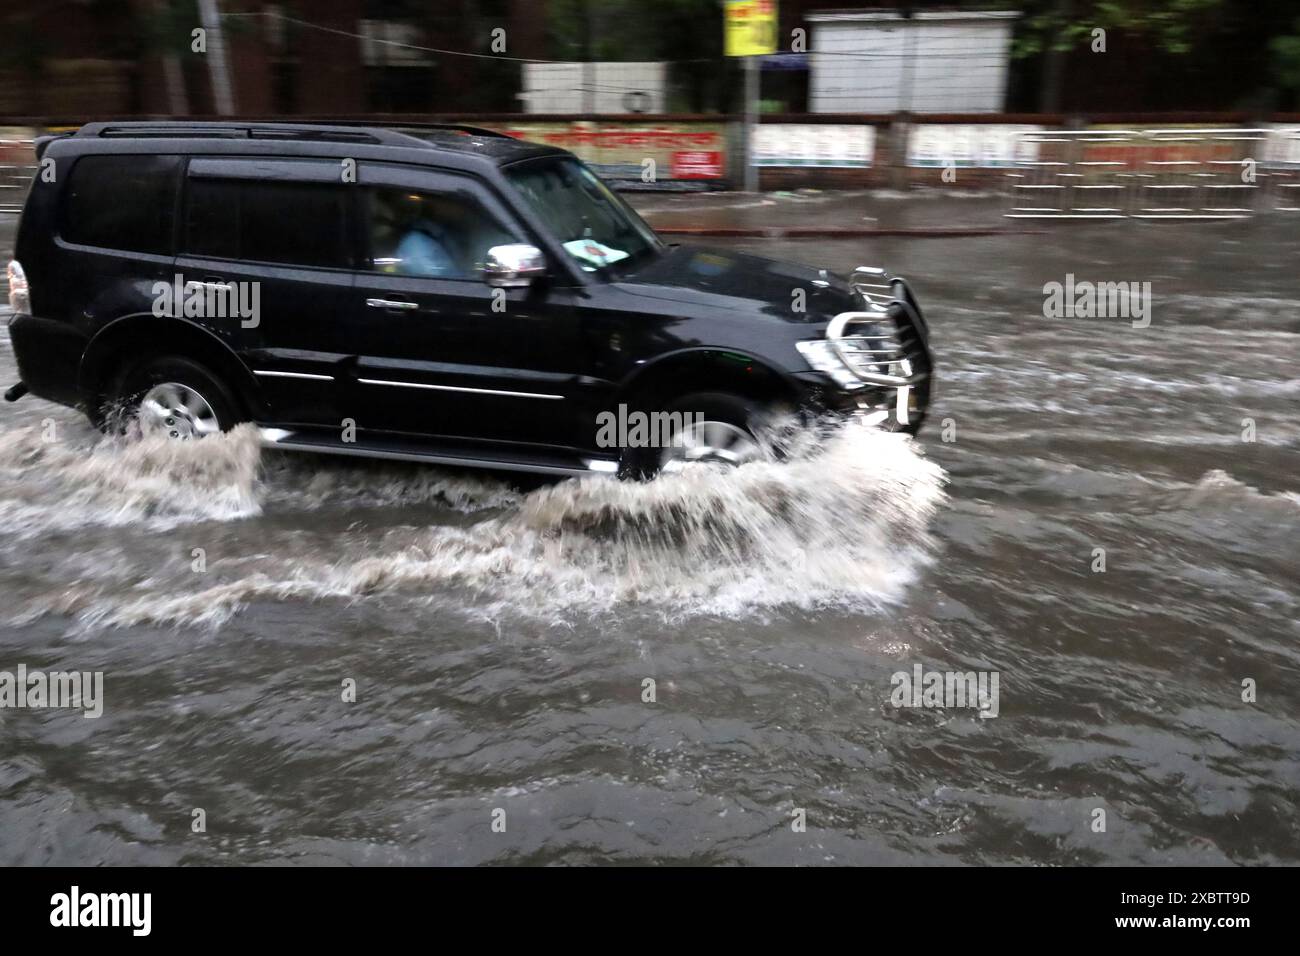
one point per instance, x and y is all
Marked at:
(275, 233)
(443, 353)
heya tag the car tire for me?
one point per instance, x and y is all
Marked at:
(720, 431)
(172, 396)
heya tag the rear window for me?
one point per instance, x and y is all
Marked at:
(281, 222)
(122, 202)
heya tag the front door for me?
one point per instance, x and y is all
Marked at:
(440, 352)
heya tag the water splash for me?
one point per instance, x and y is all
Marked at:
(82, 479)
(841, 522)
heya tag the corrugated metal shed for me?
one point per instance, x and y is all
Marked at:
(878, 61)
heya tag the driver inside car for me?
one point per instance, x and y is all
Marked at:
(427, 244)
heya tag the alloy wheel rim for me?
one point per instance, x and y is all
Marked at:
(720, 444)
(176, 411)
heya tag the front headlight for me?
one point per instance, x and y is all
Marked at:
(821, 355)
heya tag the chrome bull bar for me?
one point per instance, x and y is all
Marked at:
(889, 335)
(885, 348)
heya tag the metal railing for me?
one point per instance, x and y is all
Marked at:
(15, 176)
(1154, 173)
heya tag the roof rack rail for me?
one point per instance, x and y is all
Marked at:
(179, 129)
(417, 127)
(358, 131)
(452, 127)
(41, 143)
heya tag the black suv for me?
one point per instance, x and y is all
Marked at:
(443, 294)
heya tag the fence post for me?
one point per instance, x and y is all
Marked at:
(751, 121)
(900, 131)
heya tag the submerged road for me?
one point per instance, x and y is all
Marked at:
(499, 640)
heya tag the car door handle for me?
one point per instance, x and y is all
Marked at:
(391, 304)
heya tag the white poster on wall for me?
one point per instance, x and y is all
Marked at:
(814, 144)
(977, 144)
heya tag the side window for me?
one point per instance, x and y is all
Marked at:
(281, 222)
(442, 235)
(122, 202)
(212, 218)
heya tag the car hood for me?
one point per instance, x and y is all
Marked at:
(721, 278)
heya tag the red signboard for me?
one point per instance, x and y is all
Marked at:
(696, 165)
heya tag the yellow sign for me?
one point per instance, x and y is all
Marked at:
(749, 27)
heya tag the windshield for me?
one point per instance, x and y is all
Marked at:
(595, 226)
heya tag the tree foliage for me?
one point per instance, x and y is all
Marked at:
(1171, 26)
(1286, 58)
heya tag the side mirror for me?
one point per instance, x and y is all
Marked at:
(513, 266)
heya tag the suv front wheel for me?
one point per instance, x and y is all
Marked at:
(176, 398)
(708, 428)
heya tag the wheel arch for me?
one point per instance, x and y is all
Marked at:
(132, 339)
(706, 369)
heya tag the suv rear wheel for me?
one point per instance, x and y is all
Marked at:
(175, 397)
(710, 428)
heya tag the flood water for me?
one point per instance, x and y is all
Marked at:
(500, 636)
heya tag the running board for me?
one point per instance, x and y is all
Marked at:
(398, 450)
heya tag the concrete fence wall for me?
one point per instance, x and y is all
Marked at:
(1019, 154)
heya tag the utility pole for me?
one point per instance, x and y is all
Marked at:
(222, 92)
(589, 68)
(749, 32)
(753, 65)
